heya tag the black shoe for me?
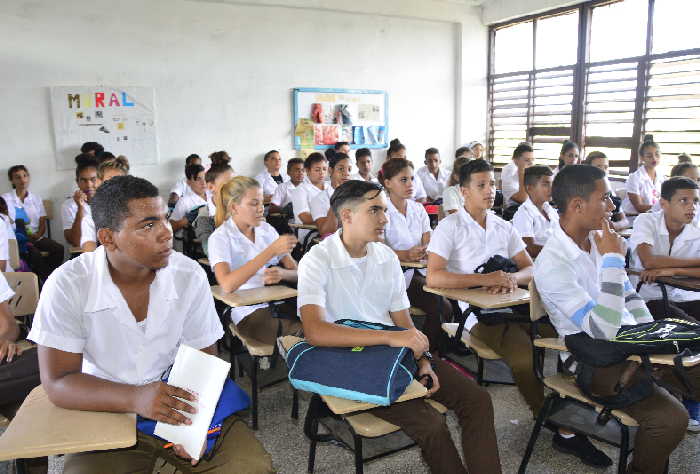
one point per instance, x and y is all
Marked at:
(582, 448)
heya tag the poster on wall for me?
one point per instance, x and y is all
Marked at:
(356, 116)
(122, 119)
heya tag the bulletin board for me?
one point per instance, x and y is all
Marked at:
(325, 116)
(122, 119)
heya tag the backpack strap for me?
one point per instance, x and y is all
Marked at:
(679, 370)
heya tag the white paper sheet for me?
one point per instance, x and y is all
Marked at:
(204, 375)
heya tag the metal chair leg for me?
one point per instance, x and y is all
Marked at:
(624, 449)
(254, 390)
(295, 404)
(359, 461)
(480, 371)
(544, 413)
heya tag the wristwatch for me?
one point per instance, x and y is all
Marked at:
(428, 356)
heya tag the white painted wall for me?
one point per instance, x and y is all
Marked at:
(496, 11)
(223, 75)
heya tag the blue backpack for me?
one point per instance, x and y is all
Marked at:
(371, 374)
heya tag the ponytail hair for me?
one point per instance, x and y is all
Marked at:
(232, 191)
(648, 142)
(394, 145)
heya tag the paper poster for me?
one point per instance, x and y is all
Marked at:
(368, 112)
(122, 119)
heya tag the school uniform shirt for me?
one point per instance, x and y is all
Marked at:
(9, 232)
(465, 245)
(33, 206)
(364, 289)
(69, 209)
(586, 291)
(434, 187)
(82, 311)
(358, 177)
(5, 291)
(530, 222)
(268, 183)
(510, 183)
(211, 207)
(228, 244)
(641, 184)
(283, 194)
(320, 204)
(5, 248)
(452, 199)
(403, 232)
(180, 187)
(650, 228)
(185, 204)
(419, 190)
(88, 233)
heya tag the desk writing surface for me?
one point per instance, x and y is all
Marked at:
(418, 264)
(690, 284)
(264, 294)
(303, 226)
(480, 298)
(40, 428)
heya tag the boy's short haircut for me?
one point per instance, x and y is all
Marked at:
(312, 159)
(336, 158)
(574, 181)
(473, 166)
(362, 152)
(337, 145)
(269, 154)
(461, 150)
(431, 151)
(594, 155)
(189, 160)
(110, 205)
(85, 162)
(351, 194)
(215, 171)
(294, 161)
(681, 168)
(87, 147)
(670, 186)
(523, 147)
(192, 171)
(535, 172)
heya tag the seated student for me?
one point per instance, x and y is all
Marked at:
(513, 178)
(644, 185)
(75, 208)
(316, 167)
(407, 232)
(535, 219)
(181, 187)
(452, 199)
(215, 177)
(271, 177)
(463, 241)
(569, 155)
(600, 161)
(149, 300)
(342, 147)
(477, 149)
(688, 170)
(91, 148)
(320, 206)
(283, 194)
(107, 170)
(363, 160)
(183, 215)
(666, 243)
(353, 275)
(398, 150)
(7, 233)
(464, 152)
(246, 252)
(25, 205)
(580, 275)
(433, 178)
(219, 158)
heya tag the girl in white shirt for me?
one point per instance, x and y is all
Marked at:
(452, 199)
(246, 252)
(644, 185)
(569, 155)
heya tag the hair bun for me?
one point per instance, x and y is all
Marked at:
(394, 143)
(648, 138)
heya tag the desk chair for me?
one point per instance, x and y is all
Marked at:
(13, 250)
(48, 206)
(26, 288)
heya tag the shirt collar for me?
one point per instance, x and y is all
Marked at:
(340, 258)
(567, 246)
(466, 219)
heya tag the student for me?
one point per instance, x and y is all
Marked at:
(25, 205)
(271, 177)
(246, 252)
(316, 167)
(182, 215)
(342, 147)
(432, 176)
(219, 158)
(464, 152)
(215, 177)
(569, 155)
(600, 161)
(407, 232)
(452, 199)
(110, 322)
(363, 160)
(75, 208)
(181, 187)
(688, 170)
(477, 149)
(105, 171)
(353, 275)
(665, 243)
(91, 148)
(283, 194)
(513, 177)
(398, 150)
(320, 206)
(536, 218)
(7, 233)
(580, 275)
(644, 185)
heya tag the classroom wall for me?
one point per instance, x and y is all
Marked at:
(223, 75)
(496, 11)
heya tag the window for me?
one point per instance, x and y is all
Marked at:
(605, 93)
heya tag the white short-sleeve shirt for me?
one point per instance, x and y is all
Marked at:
(180, 187)
(650, 228)
(320, 204)
(185, 204)
(465, 245)
(7, 233)
(419, 190)
(358, 177)
(5, 291)
(69, 209)
(452, 198)
(33, 206)
(88, 233)
(283, 193)
(268, 183)
(82, 311)
(403, 232)
(228, 244)
(530, 222)
(348, 288)
(433, 186)
(641, 184)
(510, 183)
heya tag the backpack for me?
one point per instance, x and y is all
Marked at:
(492, 317)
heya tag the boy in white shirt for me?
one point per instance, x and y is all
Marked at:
(363, 160)
(271, 177)
(353, 275)
(666, 243)
(78, 206)
(321, 211)
(110, 322)
(433, 177)
(181, 216)
(536, 218)
(180, 188)
(316, 167)
(513, 176)
(644, 185)
(283, 194)
(580, 275)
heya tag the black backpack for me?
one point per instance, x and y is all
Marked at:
(492, 317)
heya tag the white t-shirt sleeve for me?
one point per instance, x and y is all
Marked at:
(515, 242)
(424, 221)
(450, 200)
(523, 223)
(399, 298)
(5, 291)
(318, 206)
(643, 231)
(219, 248)
(509, 183)
(202, 327)
(278, 196)
(441, 241)
(300, 201)
(40, 206)
(312, 279)
(419, 192)
(180, 210)
(87, 230)
(68, 213)
(633, 184)
(4, 244)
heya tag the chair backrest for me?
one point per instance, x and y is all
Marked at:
(13, 250)
(26, 288)
(537, 310)
(48, 205)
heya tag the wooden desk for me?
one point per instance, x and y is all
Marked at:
(689, 284)
(303, 226)
(480, 298)
(263, 294)
(418, 264)
(42, 429)
(76, 250)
